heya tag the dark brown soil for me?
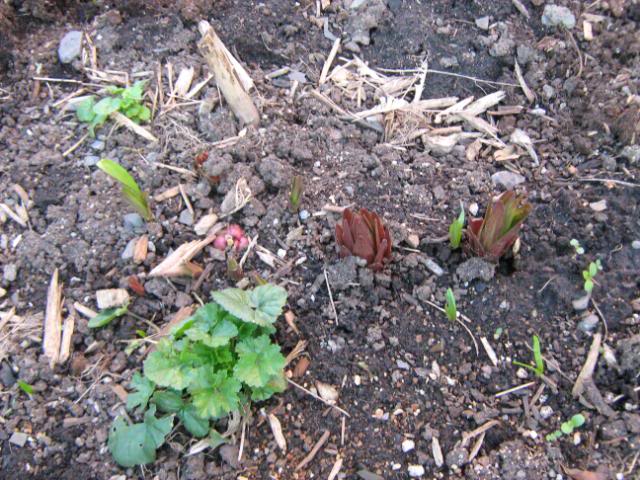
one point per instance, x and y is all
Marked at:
(402, 370)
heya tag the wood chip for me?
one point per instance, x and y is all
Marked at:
(120, 392)
(67, 334)
(314, 451)
(437, 452)
(327, 392)
(205, 223)
(53, 321)
(276, 429)
(178, 263)
(301, 367)
(523, 85)
(290, 318)
(587, 30)
(181, 87)
(336, 468)
(589, 365)
(112, 297)
(329, 61)
(140, 249)
(167, 194)
(490, 351)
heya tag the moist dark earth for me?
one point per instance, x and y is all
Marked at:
(403, 372)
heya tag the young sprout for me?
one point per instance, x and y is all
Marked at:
(234, 270)
(594, 268)
(576, 246)
(25, 387)
(567, 427)
(450, 306)
(130, 189)
(537, 358)
(455, 229)
(295, 196)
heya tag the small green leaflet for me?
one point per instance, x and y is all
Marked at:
(166, 370)
(214, 394)
(261, 305)
(25, 387)
(84, 110)
(537, 357)
(168, 401)
(144, 389)
(455, 230)
(194, 423)
(107, 315)
(136, 444)
(258, 361)
(578, 420)
(106, 106)
(450, 307)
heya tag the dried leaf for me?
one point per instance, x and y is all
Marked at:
(327, 392)
(181, 87)
(178, 263)
(276, 429)
(67, 334)
(140, 249)
(576, 474)
(236, 198)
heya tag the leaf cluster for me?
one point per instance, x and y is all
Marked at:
(567, 427)
(210, 365)
(364, 235)
(589, 274)
(130, 189)
(127, 101)
(492, 235)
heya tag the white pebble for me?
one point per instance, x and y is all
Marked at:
(408, 445)
(546, 411)
(416, 471)
(522, 373)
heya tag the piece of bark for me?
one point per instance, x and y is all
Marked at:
(226, 76)
(53, 321)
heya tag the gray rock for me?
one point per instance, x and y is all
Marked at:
(635, 244)
(631, 153)
(70, 46)
(503, 47)
(629, 354)
(133, 221)
(614, 429)
(423, 292)
(374, 334)
(548, 92)
(229, 454)
(10, 272)
(97, 145)
(588, 323)
(7, 378)
(457, 457)
(403, 365)
(129, 249)
(18, 438)
(525, 54)
(364, 15)
(507, 179)
(475, 268)
(558, 16)
(432, 265)
(186, 217)
(581, 303)
(273, 172)
(482, 23)
(90, 161)
(449, 62)
(215, 166)
(343, 273)
(304, 215)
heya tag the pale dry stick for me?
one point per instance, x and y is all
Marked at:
(490, 351)
(329, 61)
(343, 429)
(589, 365)
(335, 208)
(186, 199)
(476, 447)
(250, 247)
(466, 436)
(422, 79)
(604, 320)
(197, 87)
(514, 389)
(523, 85)
(521, 8)
(450, 74)
(314, 451)
(333, 305)
(546, 284)
(67, 80)
(350, 116)
(475, 343)
(336, 468)
(53, 321)
(14, 216)
(318, 397)
(241, 448)
(182, 171)
(295, 352)
(610, 180)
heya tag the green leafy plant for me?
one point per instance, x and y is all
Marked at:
(364, 235)
(130, 189)
(211, 365)
(576, 246)
(450, 307)
(492, 235)
(124, 100)
(25, 387)
(106, 316)
(567, 427)
(537, 358)
(455, 230)
(589, 274)
(295, 196)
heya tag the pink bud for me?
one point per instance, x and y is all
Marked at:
(235, 231)
(220, 242)
(243, 243)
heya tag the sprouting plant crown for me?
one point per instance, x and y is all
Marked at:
(450, 306)
(363, 234)
(295, 196)
(455, 230)
(130, 189)
(127, 101)
(210, 365)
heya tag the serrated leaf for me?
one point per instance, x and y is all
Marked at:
(258, 361)
(262, 305)
(276, 384)
(134, 92)
(214, 393)
(107, 315)
(130, 445)
(268, 300)
(84, 110)
(144, 389)
(107, 106)
(168, 401)
(194, 423)
(144, 114)
(157, 428)
(166, 370)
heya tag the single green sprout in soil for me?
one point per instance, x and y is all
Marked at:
(295, 197)
(127, 101)
(567, 427)
(130, 189)
(25, 387)
(450, 306)
(106, 316)
(455, 230)
(576, 246)
(589, 274)
(537, 358)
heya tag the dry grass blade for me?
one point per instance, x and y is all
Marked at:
(589, 366)
(53, 321)
(133, 126)
(13, 215)
(329, 61)
(67, 334)
(178, 263)
(523, 85)
(296, 351)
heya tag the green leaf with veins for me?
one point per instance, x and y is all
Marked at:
(84, 110)
(106, 106)
(144, 389)
(277, 384)
(258, 361)
(168, 401)
(166, 370)
(194, 423)
(261, 305)
(157, 428)
(214, 394)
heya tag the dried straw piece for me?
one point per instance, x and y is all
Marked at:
(53, 321)
(178, 263)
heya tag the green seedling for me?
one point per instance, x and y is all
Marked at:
(537, 358)
(498, 333)
(450, 307)
(124, 100)
(295, 197)
(589, 274)
(209, 366)
(455, 230)
(25, 387)
(106, 316)
(567, 427)
(576, 246)
(130, 189)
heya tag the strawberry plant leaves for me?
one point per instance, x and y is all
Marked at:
(261, 306)
(168, 401)
(84, 110)
(166, 370)
(258, 361)
(214, 394)
(194, 423)
(157, 428)
(277, 384)
(107, 106)
(144, 388)
(268, 300)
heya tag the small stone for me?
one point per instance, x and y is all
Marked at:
(10, 272)
(408, 445)
(482, 23)
(416, 471)
(133, 221)
(522, 374)
(507, 179)
(273, 172)
(581, 303)
(186, 217)
(97, 145)
(438, 192)
(413, 240)
(205, 224)
(90, 161)
(635, 244)
(128, 250)
(70, 46)
(546, 411)
(449, 62)
(473, 209)
(475, 268)
(112, 297)
(548, 92)
(433, 266)
(588, 323)
(304, 215)
(631, 153)
(18, 438)
(457, 457)
(599, 206)
(403, 365)
(558, 16)
(7, 378)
